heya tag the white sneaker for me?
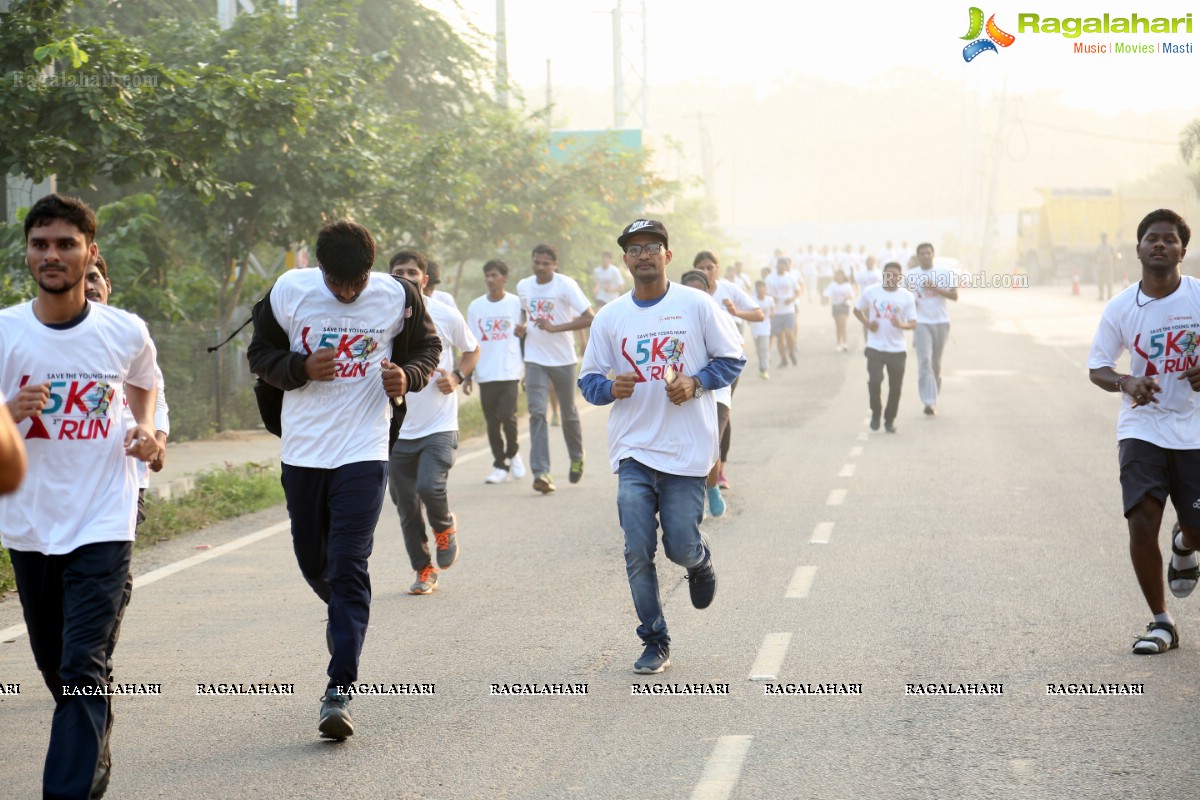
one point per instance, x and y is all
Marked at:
(498, 475)
(517, 467)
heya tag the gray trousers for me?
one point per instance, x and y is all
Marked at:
(537, 388)
(930, 340)
(417, 474)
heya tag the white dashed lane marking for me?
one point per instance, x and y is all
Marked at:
(722, 768)
(802, 581)
(836, 497)
(855, 452)
(847, 471)
(821, 533)
(770, 657)
(864, 436)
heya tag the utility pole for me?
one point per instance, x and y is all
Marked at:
(629, 33)
(501, 57)
(708, 168)
(989, 214)
(549, 96)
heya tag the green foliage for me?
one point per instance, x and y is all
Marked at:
(219, 495)
(1189, 148)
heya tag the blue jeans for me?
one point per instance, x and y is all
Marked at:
(644, 497)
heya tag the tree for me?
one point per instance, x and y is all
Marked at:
(1189, 148)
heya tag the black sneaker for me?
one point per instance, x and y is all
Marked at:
(874, 422)
(543, 483)
(702, 581)
(576, 470)
(335, 716)
(929, 412)
(655, 658)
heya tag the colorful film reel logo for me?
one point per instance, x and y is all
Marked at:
(995, 36)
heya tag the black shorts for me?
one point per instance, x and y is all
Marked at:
(1147, 469)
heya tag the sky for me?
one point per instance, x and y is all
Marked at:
(795, 158)
(758, 42)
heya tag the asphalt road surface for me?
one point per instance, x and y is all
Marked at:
(982, 547)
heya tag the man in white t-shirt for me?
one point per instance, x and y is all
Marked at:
(343, 343)
(1158, 429)
(784, 288)
(886, 311)
(553, 307)
(668, 349)
(608, 280)
(493, 319)
(69, 367)
(932, 287)
(423, 454)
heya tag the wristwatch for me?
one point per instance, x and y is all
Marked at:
(458, 374)
(699, 391)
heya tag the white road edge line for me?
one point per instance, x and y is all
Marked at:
(153, 576)
(836, 497)
(847, 471)
(802, 581)
(770, 657)
(722, 768)
(821, 533)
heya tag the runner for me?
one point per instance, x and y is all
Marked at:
(886, 312)
(494, 318)
(741, 308)
(1158, 428)
(840, 295)
(662, 427)
(70, 526)
(322, 335)
(552, 308)
(608, 280)
(423, 454)
(784, 288)
(761, 331)
(933, 286)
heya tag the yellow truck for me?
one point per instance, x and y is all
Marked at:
(1063, 233)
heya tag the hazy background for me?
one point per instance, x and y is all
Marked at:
(859, 122)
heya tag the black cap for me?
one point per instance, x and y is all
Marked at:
(650, 226)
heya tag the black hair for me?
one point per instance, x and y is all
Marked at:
(345, 250)
(405, 256)
(924, 244)
(496, 265)
(695, 275)
(544, 249)
(1159, 215)
(69, 209)
(102, 265)
(705, 255)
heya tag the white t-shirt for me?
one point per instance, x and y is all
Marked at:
(492, 323)
(328, 424)
(882, 306)
(767, 304)
(783, 288)
(931, 307)
(684, 327)
(559, 300)
(430, 411)
(1163, 340)
(444, 297)
(80, 488)
(610, 282)
(866, 278)
(728, 290)
(840, 292)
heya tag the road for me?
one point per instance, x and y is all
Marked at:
(983, 546)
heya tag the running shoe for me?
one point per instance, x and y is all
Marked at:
(447, 544)
(498, 475)
(335, 716)
(576, 472)
(517, 467)
(655, 658)
(426, 581)
(543, 483)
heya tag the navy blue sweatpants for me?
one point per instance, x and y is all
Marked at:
(334, 513)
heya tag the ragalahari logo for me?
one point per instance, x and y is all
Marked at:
(995, 36)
